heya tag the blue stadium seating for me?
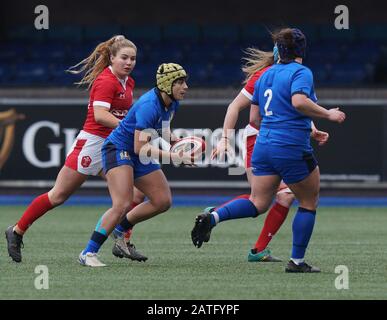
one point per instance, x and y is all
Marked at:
(145, 75)
(255, 33)
(320, 74)
(6, 73)
(67, 34)
(142, 35)
(59, 76)
(329, 33)
(55, 53)
(220, 33)
(198, 74)
(26, 33)
(182, 32)
(375, 32)
(31, 74)
(101, 33)
(212, 54)
(347, 74)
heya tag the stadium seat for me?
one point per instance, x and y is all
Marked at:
(220, 33)
(145, 75)
(311, 31)
(255, 33)
(347, 74)
(205, 52)
(68, 34)
(329, 33)
(142, 34)
(32, 74)
(6, 73)
(225, 75)
(26, 33)
(320, 73)
(13, 51)
(199, 74)
(213, 53)
(362, 53)
(326, 52)
(56, 53)
(165, 52)
(181, 32)
(78, 53)
(101, 33)
(376, 32)
(59, 76)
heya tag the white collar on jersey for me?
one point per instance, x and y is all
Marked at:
(123, 82)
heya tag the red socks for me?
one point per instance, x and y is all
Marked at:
(35, 210)
(275, 218)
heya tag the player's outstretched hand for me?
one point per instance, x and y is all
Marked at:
(320, 136)
(222, 148)
(336, 115)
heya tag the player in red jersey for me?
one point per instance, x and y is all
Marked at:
(107, 74)
(257, 62)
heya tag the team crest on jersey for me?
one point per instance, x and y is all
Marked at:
(122, 95)
(124, 155)
(86, 161)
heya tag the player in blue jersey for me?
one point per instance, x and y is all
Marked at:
(286, 100)
(130, 160)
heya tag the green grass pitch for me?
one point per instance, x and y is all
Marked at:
(354, 237)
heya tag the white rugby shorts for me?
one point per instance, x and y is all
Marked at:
(85, 154)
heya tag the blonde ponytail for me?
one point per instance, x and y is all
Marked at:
(256, 60)
(99, 59)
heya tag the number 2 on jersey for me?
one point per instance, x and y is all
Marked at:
(268, 93)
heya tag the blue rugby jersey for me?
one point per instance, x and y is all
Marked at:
(273, 93)
(148, 112)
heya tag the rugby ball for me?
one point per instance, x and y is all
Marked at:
(191, 144)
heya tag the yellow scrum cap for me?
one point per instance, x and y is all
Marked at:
(166, 74)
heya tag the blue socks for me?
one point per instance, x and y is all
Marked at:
(303, 224)
(122, 227)
(237, 209)
(96, 241)
(100, 235)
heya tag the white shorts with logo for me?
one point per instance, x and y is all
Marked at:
(85, 154)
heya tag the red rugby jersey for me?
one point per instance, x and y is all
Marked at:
(248, 89)
(109, 92)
